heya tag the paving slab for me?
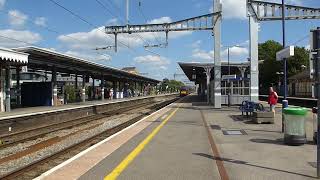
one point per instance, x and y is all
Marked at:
(261, 153)
(176, 152)
(181, 149)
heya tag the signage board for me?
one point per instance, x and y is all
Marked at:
(24, 69)
(285, 53)
(229, 77)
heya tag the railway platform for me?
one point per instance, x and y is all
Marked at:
(190, 140)
(29, 111)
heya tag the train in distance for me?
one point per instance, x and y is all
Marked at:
(185, 90)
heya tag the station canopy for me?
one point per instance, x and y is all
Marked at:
(195, 71)
(45, 59)
(9, 56)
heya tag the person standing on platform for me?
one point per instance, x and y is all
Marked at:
(111, 94)
(272, 99)
(66, 97)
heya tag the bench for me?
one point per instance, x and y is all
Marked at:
(249, 107)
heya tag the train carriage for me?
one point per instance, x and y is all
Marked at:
(184, 91)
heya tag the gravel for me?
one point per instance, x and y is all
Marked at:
(78, 137)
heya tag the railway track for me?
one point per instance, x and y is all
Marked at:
(30, 134)
(43, 164)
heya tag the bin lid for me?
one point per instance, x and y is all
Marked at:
(295, 111)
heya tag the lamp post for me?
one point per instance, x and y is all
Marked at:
(228, 49)
(284, 46)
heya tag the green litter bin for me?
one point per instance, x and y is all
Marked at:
(295, 126)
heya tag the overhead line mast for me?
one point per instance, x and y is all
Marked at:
(126, 21)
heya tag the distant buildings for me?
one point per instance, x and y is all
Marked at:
(300, 85)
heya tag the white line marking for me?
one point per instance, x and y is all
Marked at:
(47, 173)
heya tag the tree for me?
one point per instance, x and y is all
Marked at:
(269, 68)
(300, 58)
(171, 84)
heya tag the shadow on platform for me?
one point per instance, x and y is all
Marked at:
(218, 127)
(248, 164)
(279, 141)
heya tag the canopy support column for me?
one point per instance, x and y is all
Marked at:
(8, 91)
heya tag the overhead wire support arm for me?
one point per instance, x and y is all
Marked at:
(192, 24)
(204, 22)
(268, 11)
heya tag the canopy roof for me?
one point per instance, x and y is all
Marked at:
(45, 59)
(10, 56)
(196, 68)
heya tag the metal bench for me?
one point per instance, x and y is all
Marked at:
(249, 107)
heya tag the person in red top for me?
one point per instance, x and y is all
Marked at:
(272, 99)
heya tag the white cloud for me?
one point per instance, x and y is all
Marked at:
(152, 60)
(160, 20)
(203, 55)
(196, 44)
(307, 47)
(41, 21)
(236, 9)
(17, 18)
(25, 36)
(97, 38)
(235, 51)
(163, 67)
(2, 3)
(112, 22)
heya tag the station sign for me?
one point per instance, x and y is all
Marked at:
(285, 53)
(229, 77)
(24, 69)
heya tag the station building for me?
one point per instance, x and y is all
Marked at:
(235, 80)
(33, 76)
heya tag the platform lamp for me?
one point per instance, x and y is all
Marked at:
(279, 80)
(228, 49)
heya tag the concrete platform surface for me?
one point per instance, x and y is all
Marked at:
(182, 149)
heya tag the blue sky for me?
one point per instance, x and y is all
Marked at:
(32, 20)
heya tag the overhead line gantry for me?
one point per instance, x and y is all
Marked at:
(204, 22)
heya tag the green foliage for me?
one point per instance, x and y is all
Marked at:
(300, 58)
(173, 85)
(71, 93)
(268, 69)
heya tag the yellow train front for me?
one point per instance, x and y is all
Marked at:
(184, 91)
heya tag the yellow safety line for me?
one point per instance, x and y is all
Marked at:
(122, 166)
